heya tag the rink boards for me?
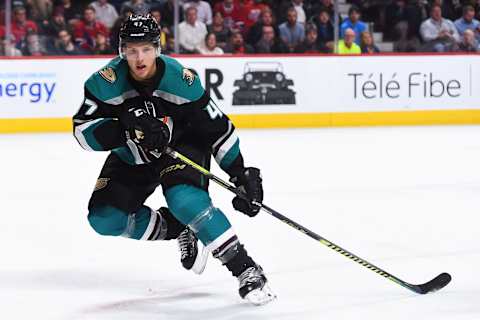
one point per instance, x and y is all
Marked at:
(41, 95)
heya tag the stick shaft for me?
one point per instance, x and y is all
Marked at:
(176, 155)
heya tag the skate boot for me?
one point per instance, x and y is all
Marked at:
(253, 286)
(193, 254)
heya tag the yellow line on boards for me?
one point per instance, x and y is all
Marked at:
(21, 125)
(287, 120)
(348, 119)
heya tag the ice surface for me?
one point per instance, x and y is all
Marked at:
(405, 199)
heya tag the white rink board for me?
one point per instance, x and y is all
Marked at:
(53, 88)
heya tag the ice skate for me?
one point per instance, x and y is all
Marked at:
(254, 288)
(193, 254)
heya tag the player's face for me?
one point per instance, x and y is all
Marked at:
(141, 60)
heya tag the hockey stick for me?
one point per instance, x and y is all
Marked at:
(435, 284)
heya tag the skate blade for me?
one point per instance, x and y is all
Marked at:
(201, 260)
(260, 297)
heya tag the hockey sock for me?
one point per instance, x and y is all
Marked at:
(235, 258)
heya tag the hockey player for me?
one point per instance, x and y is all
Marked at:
(137, 105)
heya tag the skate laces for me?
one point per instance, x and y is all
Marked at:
(250, 275)
(186, 241)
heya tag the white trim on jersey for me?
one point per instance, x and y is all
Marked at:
(79, 133)
(121, 98)
(229, 130)
(135, 152)
(170, 97)
(225, 147)
(169, 124)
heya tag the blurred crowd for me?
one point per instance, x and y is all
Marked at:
(66, 27)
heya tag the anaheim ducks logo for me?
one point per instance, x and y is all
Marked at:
(101, 183)
(108, 74)
(188, 76)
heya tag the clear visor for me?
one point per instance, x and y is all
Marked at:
(135, 50)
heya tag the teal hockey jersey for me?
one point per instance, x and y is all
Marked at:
(177, 95)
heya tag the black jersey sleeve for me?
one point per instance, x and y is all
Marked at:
(219, 133)
(96, 126)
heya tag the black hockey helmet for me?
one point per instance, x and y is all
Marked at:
(139, 28)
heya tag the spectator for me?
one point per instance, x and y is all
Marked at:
(105, 12)
(158, 16)
(164, 31)
(282, 10)
(467, 22)
(7, 48)
(209, 46)
(468, 43)
(292, 32)
(231, 13)
(255, 32)
(270, 42)
(353, 22)
(64, 45)
(54, 24)
(438, 33)
(372, 10)
(204, 10)
(87, 29)
(348, 45)
(20, 24)
(327, 5)
(101, 45)
(325, 30)
(71, 12)
(32, 46)
(217, 27)
(191, 32)
(136, 6)
(237, 45)
(310, 43)
(250, 11)
(367, 44)
(449, 8)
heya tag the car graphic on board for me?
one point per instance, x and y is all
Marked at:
(263, 83)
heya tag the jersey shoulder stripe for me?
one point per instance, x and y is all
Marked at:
(179, 85)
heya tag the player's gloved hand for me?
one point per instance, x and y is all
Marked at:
(250, 182)
(147, 131)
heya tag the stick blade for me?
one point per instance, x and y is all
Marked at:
(435, 284)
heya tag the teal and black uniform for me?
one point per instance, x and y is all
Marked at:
(198, 129)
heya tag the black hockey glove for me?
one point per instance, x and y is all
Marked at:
(250, 183)
(147, 131)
